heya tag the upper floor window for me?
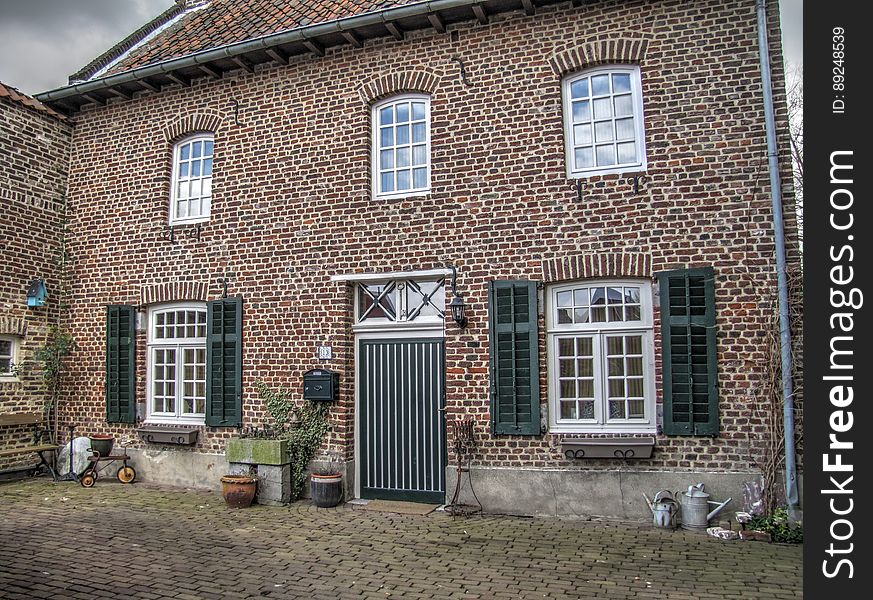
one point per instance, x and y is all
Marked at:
(603, 121)
(192, 180)
(601, 357)
(401, 146)
(8, 356)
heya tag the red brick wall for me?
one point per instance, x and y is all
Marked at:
(292, 203)
(34, 147)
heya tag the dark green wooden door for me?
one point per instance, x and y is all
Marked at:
(402, 430)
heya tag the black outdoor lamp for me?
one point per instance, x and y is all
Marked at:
(457, 304)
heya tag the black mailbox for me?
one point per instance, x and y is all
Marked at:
(321, 385)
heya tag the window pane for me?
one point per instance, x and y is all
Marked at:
(614, 346)
(579, 89)
(598, 315)
(565, 316)
(183, 189)
(196, 188)
(584, 158)
(631, 295)
(600, 84)
(598, 295)
(615, 314)
(403, 134)
(603, 131)
(636, 409)
(581, 111)
(627, 152)
(207, 166)
(587, 410)
(580, 297)
(185, 152)
(403, 180)
(182, 208)
(582, 134)
(386, 159)
(207, 191)
(624, 106)
(620, 83)
(616, 366)
(196, 149)
(207, 148)
(624, 129)
(634, 344)
(584, 346)
(616, 409)
(387, 183)
(631, 313)
(419, 178)
(634, 365)
(418, 132)
(585, 367)
(568, 410)
(581, 315)
(5, 348)
(565, 368)
(386, 137)
(183, 170)
(614, 295)
(565, 298)
(418, 111)
(568, 389)
(605, 155)
(565, 347)
(402, 112)
(586, 389)
(602, 108)
(403, 157)
(419, 155)
(386, 115)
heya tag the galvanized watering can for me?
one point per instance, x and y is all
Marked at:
(695, 508)
(664, 509)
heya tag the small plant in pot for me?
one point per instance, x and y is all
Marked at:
(326, 483)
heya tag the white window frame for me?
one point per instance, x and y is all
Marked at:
(598, 331)
(375, 148)
(640, 165)
(175, 180)
(13, 357)
(179, 344)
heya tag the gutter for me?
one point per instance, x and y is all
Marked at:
(299, 34)
(781, 267)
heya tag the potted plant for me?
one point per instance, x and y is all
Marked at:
(326, 483)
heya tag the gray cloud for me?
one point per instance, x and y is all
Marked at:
(44, 41)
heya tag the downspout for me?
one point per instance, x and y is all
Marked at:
(781, 266)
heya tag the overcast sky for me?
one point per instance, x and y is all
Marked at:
(44, 41)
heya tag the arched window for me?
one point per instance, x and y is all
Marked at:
(191, 194)
(603, 121)
(401, 146)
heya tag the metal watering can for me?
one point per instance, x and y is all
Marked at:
(664, 509)
(695, 507)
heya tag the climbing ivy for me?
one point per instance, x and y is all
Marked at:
(51, 357)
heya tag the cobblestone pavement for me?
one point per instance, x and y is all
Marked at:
(136, 541)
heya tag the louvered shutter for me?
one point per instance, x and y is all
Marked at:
(689, 351)
(120, 364)
(224, 362)
(515, 393)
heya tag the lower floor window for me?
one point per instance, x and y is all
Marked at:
(8, 349)
(601, 357)
(177, 363)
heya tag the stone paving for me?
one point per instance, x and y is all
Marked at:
(59, 540)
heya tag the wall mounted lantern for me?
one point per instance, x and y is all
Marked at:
(37, 293)
(457, 304)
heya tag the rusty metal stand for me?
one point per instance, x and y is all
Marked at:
(464, 445)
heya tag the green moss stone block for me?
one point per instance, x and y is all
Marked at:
(257, 452)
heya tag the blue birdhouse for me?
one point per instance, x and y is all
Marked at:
(36, 293)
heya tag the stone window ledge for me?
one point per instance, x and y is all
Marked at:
(169, 434)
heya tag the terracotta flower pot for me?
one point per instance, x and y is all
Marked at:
(326, 490)
(238, 490)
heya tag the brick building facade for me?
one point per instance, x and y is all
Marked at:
(35, 146)
(321, 252)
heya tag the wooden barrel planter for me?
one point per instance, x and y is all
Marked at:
(326, 490)
(238, 490)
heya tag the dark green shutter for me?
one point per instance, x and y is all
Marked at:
(515, 381)
(689, 350)
(224, 362)
(120, 364)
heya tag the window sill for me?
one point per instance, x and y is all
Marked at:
(633, 170)
(159, 433)
(404, 196)
(623, 448)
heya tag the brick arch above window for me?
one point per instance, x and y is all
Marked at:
(186, 125)
(175, 291)
(399, 82)
(584, 266)
(599, 52)
(16, 326)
